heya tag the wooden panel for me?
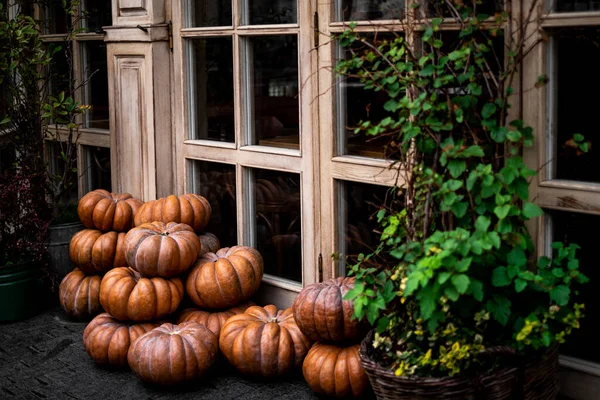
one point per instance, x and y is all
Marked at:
(133, 12)
(269, 294)
(163, 135)
(569, 200)
(132, 5)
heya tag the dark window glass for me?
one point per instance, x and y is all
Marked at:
(56, 19)
(57, 167)
(97, 14)
(576, 111)
(211, 93)
(202, 13)
(97, 168)
(581, 230)
(274, 89)
(437, 8)
(278, 222)
(60, 69)
(576, 5)
(263, 12)
(216, 182)
(356, 10)
(96, 87)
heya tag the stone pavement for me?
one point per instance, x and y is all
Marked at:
(44, 358)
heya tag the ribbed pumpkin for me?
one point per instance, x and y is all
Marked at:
(173, 354)
(335, 371)
(100, 209)
(210, 242)
(127, 296)
(323, 315)
(95, 252)
(225, 278)
(161, 249)
(264, 342)
(191, 209)
(79, 294)
(107, 339)
(212, 320)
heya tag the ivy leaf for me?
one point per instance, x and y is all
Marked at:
(463, 265)
(461, 283)
(443, 277)
(488, 110)
(520, 285)
(427, 304)
(517, 257)
(456, 167)
(382, 324)
(459, 209)
(473, 151)
(482, 224)
(560, 294)
(531, 210)
(499, 307)
(452, 293)
(427, 70)
(502, 211)
(476, 289)
(412, 282)
(500, 277)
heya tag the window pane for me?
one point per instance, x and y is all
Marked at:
(60, 70)
(216, 182)
(576, 5)
(581, 229)
(56, 19)
(436, 8)
(274, 89)
(355, 104)
(211, 89)
(278, 222)
(97, 14)
(261, 12)
(355, 10)
(575, 113)
(57, 167)
(96, 87)
(202, 13)
(96, 168)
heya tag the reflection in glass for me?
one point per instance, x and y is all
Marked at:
(436, 8)
(216, 182)
(60, 71)
(574, 112)
(369, 10)
(96, 84)
(263, 12)
(360, 233)
(56, 20)
(274, 90)
(355, 104)
(97, 13)
(56, 166)
(278, 222)
(96, 171)
(211, 89)
(576, 5)
(581, 230)
(202, 13)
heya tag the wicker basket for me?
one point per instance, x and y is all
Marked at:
(536, 380)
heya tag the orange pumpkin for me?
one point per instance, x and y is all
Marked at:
(225, 278)
(210, 242)
(190, 209)
(95, 252)
(263, 342)
(79, 294)
(212, 320)
(100, 209)
(126, 295)
(335, 371)
(173, 354)
(107, 339)
(161, 249)
(322, 313)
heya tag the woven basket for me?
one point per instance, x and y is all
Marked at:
(540, 377)
(497, 385)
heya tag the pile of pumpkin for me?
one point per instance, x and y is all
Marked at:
(142, 262)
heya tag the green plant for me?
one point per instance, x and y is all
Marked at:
(463, 276)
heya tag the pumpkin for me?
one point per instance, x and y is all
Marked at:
(161, 249)
(100, 209)
(79, 294)
(225, 278)
(107, 339)
(126, 295)
(335, 371)
(322, 313)
(212, 320)
(263, 342)
(210, 242)
(173, 354)
(95, 252)
(191, 209)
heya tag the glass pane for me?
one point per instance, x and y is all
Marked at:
(57, 167)
(261, 12)
(274, 89)
(575, 113)
(581, 229)
(437, 8)
(97, 14)
(211, 89)
(60, 70)
(576, 5)
(56, 19)
(356, 10)
(96, 85)
(202, 13)
(278, 222)
(96, 168)
(216, 182)
(355, 104)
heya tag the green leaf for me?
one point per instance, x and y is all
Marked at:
(412, 282)
(463, 265)
(531, 210)
(426, 305)
(500, 277)
(452, 293)
(443, 277)
(476, 289)
(517, 257)
(482, 223)
(512, 271)
(456, 167)
(502, 211)
(473, 151)
(560, 294)
(461, 283)
(499, 307)
(520, 285)
(454, 185)
(459, 209)
(558, 272)
(427, 70)
(544, 262)
(488, 110)
(382, 324)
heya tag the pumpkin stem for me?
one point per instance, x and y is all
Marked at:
(165, 233)
(272, 319)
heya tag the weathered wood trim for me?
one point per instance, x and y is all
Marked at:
(154, 33)
(134, 12)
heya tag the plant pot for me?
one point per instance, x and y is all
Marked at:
(23, 293)
(59, 238)
(540, 377)
(501, 384)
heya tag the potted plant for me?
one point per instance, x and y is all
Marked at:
(459, 305)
